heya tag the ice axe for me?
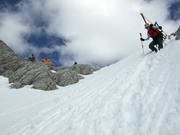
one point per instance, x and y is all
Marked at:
(142, 43)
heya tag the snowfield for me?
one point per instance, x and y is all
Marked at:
(139, 95)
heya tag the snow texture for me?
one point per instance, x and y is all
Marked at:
(139, 95)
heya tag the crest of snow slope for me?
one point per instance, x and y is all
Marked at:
(139, 95)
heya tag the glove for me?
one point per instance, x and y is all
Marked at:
(151, 25)
(142, 39)
(160, 27)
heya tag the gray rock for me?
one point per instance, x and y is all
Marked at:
(16, 85)
(8, 73)
(177, 33)
(83, 69)
(45, 84)
(36, 74)
(177, 37)
(66, 77)
(8, 59)
(2, 70)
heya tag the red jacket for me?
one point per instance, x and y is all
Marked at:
(153, 32)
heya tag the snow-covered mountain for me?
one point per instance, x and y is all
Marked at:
(139, 95)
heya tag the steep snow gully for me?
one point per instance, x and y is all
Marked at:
(139, 95)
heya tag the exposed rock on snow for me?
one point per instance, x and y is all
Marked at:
(66, 77)
(37, 74)
(2, 70)
(8, 73)
(45, 83)
(83, 69)
(8, 59)
(16, 85)
(177, 34)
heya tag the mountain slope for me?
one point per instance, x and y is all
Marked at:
(139, 95)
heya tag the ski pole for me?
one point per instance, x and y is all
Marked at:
(142, 43)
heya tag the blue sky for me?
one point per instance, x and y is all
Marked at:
(174, 9)
(41, 36)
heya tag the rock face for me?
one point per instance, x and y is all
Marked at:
(2, 70)
(66, 77)
(177, 34)
(8, 59)
(83, 69)
(37, 74)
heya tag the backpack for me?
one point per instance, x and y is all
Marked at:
(154, 33)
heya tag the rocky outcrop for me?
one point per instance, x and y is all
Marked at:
(2, 70)
(32, 73)
(8, 59)
(8, 73)
(83, 69)
(177, 36)
(66, 77)
(37, 74)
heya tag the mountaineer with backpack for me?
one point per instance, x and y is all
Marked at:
(154, 32)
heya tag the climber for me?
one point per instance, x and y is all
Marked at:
(75, 63)
(32, 58)
(154, 32)
(46, 61)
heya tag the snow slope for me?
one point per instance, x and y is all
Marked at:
(139, 95)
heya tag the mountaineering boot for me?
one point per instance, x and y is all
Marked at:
(160, 47)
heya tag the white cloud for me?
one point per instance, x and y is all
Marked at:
(101, 31)
(12, 30)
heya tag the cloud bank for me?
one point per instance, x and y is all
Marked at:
(98, 31)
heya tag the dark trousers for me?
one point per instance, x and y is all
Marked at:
(158, 41)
